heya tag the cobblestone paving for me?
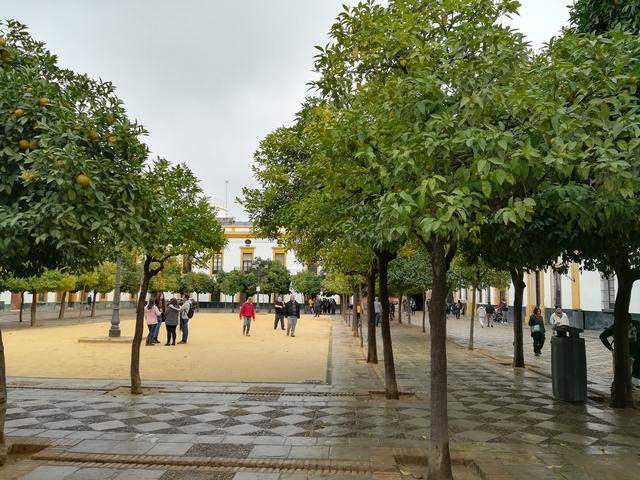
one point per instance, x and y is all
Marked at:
(494, 411)
(499, 341)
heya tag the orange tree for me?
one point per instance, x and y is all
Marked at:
(431, 84)
(179, 221)
(69, 164)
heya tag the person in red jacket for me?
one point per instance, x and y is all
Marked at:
(247, 313)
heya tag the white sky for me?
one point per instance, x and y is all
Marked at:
(209, 78)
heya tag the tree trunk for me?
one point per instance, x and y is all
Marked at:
(21, 306)
(372, 348)
(34, 306)
(439, 454)
(517, 277)
(3, 403)
(622, 390)
(356, 315)
(391, 385)
(361, 322)
(63, 305)
(424, 312)
(400, 309)
(473, 316)
(136, 382)
(93, 304)
(81, 308)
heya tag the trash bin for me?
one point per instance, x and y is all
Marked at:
(568, 364)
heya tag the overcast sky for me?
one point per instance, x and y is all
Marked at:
(209, 78)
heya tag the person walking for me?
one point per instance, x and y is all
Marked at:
(279, 308)
(377, 310)
(292, 312)
(185, 310)
(151, 314)
(482, 315)
(171, 320)
(491, 310)
(318, 306)
(247, 313)
(536, 323)
(634, 348)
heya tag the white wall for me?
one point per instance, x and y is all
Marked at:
(590, 291)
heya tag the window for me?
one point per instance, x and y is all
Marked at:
(312, 267)
(42, 297)
(556, 287)
(247, 260)
(216, 266)
(279, 258)
(608, 290)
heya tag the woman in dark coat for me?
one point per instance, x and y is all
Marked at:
(171, 320)
(536, 323)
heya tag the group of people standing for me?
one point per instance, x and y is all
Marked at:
(289, 310)
(326, 306)
(172, 313)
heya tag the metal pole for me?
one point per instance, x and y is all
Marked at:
(226, 191)
(114, 331)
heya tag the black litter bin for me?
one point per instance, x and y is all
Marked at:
(568, 364)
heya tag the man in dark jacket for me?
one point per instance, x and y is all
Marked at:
(292, 312)
(279, 307)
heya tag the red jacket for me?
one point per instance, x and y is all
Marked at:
(246, 310)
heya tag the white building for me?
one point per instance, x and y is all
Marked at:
(586, 297)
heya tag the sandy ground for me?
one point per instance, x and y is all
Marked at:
(217, 351)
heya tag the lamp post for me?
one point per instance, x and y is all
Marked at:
(114, 331)
(258, 296)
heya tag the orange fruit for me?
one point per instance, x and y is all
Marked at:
(3, 42)
(23, 144)
(83, 180)
(60, 163)
(43, 101)
(93, 135)
(110, 119)
(33, 146)
(19, 112)
(111, 139)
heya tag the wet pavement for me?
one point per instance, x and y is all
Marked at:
(495, 414)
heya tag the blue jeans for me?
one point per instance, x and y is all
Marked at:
(184, 328)
(246, 325)
(153, 332)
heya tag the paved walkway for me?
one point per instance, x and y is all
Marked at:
(498, 342)
(503, 420)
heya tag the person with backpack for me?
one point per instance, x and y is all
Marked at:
(247, 313)
(186, 312)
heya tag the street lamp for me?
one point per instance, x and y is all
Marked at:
(114, 331)
(258, 296)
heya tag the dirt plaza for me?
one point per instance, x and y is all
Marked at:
(216, 351)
